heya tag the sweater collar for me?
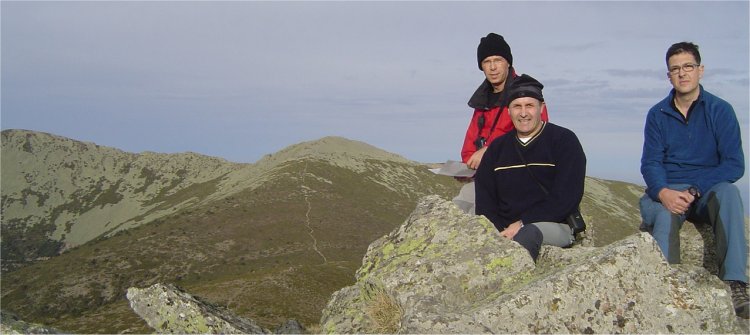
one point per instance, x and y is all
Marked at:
(673, 107)
(532, 138)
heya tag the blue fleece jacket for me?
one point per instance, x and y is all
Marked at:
(702, 150)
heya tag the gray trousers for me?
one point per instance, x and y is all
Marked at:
(722, 207)
(533, 236)
(465, 198)
(557, 234)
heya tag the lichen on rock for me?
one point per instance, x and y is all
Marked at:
(168, 309)
(449, 272)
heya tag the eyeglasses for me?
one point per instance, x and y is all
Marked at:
(689, 67)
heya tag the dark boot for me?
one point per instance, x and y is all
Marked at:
(740, 298)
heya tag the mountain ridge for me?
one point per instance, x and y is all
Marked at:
(254, 237)
(86, 182)
(64, 187)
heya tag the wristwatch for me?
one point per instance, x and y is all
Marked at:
(694, 191)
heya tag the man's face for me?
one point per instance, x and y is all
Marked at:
(684, 82)
(526, 114)
(495, 68)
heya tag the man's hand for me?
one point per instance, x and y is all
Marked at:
(476, 158)
(512, 230)
(676, 202)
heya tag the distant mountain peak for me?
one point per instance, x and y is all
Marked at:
(337, 150)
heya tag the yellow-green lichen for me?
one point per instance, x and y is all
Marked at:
(453, 235)
(388, 249)
(516, 281)
(465, 283)
(503, 262)
(197, 325)
(410, 246)
(486, 224)
(330, 328)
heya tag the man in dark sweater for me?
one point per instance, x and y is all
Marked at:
(531, 178)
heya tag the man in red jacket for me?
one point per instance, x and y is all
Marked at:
(491, 119)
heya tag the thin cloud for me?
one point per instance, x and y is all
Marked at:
(636, 73)
(582, 47)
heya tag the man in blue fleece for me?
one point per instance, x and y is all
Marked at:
(692, 155)
(531, 178)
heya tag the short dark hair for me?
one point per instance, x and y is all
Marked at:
(681, 47)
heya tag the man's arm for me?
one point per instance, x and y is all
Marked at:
(476, 158)
(472, 132)
(726, 131)
(652, 168)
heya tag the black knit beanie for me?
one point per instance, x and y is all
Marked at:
(525, 86)
(493, 45)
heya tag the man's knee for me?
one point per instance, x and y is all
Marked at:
(663, 226)
(530, 237)
(726, 192)
(722, 205)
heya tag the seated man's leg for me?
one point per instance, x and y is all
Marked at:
(557, 234)
(663, 226)
(533, 236)
(722, 207)
(530, 237)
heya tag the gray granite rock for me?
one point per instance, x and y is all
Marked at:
(167, 309)
(446, 272)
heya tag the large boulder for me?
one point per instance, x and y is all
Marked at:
(447, 272)
(168, 309)
(10, 323)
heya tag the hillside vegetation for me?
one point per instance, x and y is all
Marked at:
(270, 240)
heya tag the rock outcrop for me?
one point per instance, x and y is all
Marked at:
(168, 309)
(446, 272)
(11, 324)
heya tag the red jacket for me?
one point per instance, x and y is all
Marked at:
(479, 101)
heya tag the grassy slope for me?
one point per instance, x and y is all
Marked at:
(610, 209)
(251, 252)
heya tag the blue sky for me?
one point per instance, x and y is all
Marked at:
(240, 79)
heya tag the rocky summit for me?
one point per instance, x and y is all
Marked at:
(446, 272)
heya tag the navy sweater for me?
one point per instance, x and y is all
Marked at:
(506, 192)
